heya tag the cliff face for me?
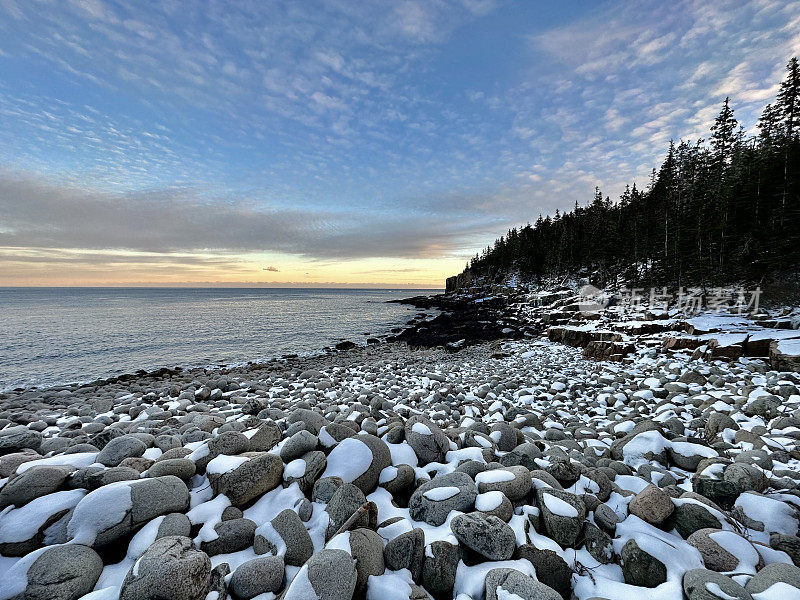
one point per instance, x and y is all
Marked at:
(457, 282)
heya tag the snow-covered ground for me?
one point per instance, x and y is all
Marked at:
(388, 473)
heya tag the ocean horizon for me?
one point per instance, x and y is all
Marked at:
(59, 335)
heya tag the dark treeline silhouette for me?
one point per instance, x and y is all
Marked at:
(715, 212)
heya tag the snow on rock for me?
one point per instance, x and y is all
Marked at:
(512, 420)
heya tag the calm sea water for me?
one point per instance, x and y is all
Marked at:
(58, 335)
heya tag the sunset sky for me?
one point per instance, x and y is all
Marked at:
(339, 142)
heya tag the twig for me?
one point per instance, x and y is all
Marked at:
(366, 508)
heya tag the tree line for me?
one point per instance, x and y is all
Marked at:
(716, 211)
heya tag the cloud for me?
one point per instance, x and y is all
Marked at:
(40, 214)
(340, 130)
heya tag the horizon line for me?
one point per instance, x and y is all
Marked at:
(202, 285)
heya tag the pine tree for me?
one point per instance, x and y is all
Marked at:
(724, 134)
(788, 103)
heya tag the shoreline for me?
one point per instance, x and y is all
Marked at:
(338, 345)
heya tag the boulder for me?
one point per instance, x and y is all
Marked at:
(640, 568)
(19, 437)
(285, 536)
(439, 568)
(257, 576)
(65, 572)
(652, 504)
(779, 575)
(252, 478)
(328, 575)
(120, 448)
(169, 568)
(488, 536)
(359, 460)
(432, 501)
(33, 483)
(506, 583)
(699, 583)
(429, 443)
(562, 514)
(112, 511)
(406, 551)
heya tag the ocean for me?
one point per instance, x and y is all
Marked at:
(52, 336)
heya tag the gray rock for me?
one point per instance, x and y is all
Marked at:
(690, 517)
(62, 573)
(690, 456)
(551, 569)
(640, 568)
(402, 484)
(562, 529)
(174, 524)
(715, 556)
(345, 501)
(695, 585)
(406, 551)
(315, 463)
(230, 443)
(92, 478)
(324, 489)
(524, 454)
(14, 439)
(120, 448)
(723, 493)
(149, 499)
(35, 482)
(253, 478)
(439, 568)
(10, 462)
(598, 543)
(434, 512)
(232, 536)
(746, 477)
(652, 504)
(170, 568)
(428, 441)
(183, 468)
(265, 438)
(606, 518)
(330, 575)
(257, 576)
(693, 376)
(514, 489)
(381, 458)
(518, 584)
(366, 547)
(786, 543)
(301, 442)
(503, 511)
(764, 406)
(311, 420)
(488, 536)
(772, 574)
(288, 531)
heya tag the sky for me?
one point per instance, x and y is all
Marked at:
(333, 142)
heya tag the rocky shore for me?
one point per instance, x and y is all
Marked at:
(488, 457)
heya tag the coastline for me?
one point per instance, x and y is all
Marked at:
(145, 334)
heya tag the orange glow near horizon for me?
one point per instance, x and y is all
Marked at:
(78, 268)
